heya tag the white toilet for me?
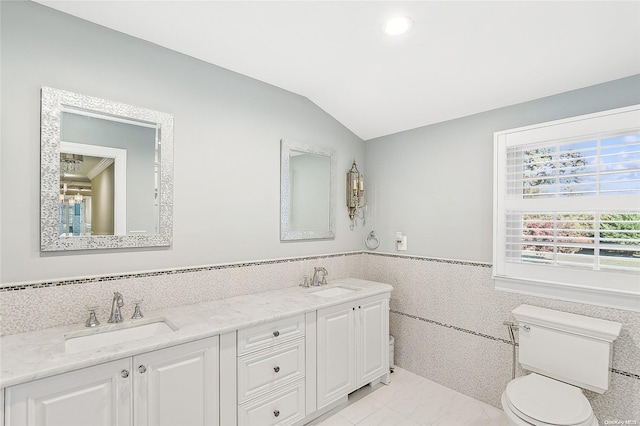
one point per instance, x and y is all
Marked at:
(565, 352)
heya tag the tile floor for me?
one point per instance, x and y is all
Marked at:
(412, 400)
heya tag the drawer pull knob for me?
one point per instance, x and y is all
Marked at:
(124, 374)
(276, 369)
(276, 413)
(142, 369)
(276, 333)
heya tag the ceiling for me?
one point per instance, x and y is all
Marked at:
(460, 58)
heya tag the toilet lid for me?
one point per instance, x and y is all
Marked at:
(548, 401)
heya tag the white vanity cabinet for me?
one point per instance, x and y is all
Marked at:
(271, 373)
(176, 385)
(372, 339)
(352, 346)
(283, 362)
(336, 352)
(99, 395)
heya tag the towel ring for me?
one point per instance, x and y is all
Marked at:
(372, 241)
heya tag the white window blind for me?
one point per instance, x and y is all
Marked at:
(567, 209)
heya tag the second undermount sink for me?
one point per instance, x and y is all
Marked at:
(115, 334)
(334, 291)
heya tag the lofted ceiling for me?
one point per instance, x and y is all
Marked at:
(460, 58)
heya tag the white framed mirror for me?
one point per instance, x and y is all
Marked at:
(308, 189)
(106, 174)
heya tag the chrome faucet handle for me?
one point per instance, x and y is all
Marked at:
(305, 282)
(92, 321)
(137, 313)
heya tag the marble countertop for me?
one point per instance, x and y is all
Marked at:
(41, 353)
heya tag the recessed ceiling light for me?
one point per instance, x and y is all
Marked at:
(398, 25)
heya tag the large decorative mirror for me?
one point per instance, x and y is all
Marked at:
(106, 176)
(307, 185)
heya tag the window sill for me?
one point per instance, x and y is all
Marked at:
(625, 300)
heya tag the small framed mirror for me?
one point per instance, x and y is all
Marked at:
(106, 174)
(308, 187)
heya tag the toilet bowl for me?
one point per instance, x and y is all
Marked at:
(564, 353)
(541, 401)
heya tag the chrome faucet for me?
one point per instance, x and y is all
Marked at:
(316, 281)
(116, 304)
(305, 282)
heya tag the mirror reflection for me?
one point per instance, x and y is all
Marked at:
(307, 192)
(310, 178)
(106, 174)
(76, 195)
(123, 185)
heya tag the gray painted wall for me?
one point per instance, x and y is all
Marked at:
(227, 136)
(435, 183)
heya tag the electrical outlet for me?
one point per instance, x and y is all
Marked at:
(401, 241)
(402, 245)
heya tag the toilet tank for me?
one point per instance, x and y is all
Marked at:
(571, 348)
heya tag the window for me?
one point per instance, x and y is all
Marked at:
(567, 209)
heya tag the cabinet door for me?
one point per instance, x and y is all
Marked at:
(372, 339)
(336, 374)
(99, 395)
(178, 385)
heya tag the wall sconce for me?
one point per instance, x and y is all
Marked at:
(355, 195)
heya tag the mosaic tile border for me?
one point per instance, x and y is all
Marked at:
(624, 373)
(486, 336)
(464, 330)
(75, 281)
(432, 259)
(96, 279)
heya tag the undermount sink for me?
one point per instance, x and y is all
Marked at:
(334, 291)
(108, 335)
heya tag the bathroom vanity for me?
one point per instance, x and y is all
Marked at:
(281, 357)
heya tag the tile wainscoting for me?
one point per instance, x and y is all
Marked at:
(447, 319)
(33, 306)
(445, 315)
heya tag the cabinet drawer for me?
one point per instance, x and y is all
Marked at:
(264, 335)
(269, 368)
(283, 407)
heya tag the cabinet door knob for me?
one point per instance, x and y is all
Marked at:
(276, 369)
(276, 413)
(124, 374)
(276, 333)
(142, 369)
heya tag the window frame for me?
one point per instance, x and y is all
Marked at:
(622, 289)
